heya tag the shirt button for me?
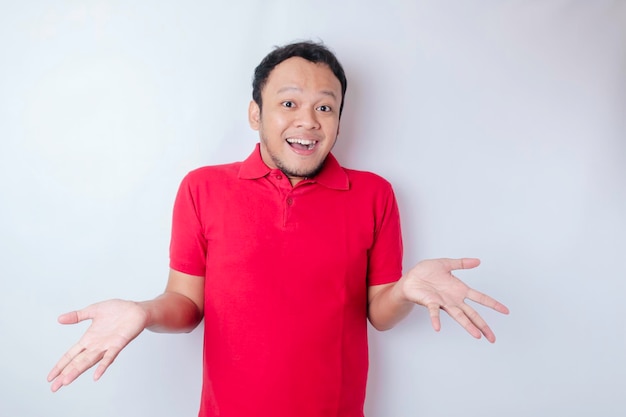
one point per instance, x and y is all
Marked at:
(290, 201)
(279, 177)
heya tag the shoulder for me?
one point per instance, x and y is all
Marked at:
(367, 180)
(208, 181)
(370, 189)
(374, 194)
(212, 173)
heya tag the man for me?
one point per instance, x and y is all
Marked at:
(285, 255)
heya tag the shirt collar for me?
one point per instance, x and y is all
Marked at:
(332, 174)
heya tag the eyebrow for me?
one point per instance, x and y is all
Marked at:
(298, 89)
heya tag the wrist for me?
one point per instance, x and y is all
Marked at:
(397, 292)
(148, 312)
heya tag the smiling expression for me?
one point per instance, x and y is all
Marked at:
(299, 122)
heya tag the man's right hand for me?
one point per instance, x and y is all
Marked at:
(114, 324)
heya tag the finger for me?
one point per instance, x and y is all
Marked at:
(487, 301)
(104, 364)
(461, 263)
(469, 263)
(64, 361)
(74, 317)
(479, 322)
(69, 318)
(433, 310)
(460, 317)
(56, 385)
(77, 367)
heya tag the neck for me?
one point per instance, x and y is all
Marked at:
(295, 180)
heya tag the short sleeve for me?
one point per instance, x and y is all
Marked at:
(385, 255)
(188, 243)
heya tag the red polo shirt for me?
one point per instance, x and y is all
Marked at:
(286, 275)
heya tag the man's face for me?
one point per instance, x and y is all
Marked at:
(299, 122)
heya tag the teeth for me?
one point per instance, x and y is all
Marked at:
(305, 142)
(309, 143)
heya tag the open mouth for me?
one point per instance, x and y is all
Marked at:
(302, 144)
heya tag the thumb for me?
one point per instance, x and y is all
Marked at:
(462, 263)
(73, 317)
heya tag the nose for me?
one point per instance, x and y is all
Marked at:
(307, 118)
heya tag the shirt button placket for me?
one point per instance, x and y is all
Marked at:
(287, 211)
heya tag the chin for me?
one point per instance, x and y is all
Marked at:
(303, 172)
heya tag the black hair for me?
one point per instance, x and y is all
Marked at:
(309, 50)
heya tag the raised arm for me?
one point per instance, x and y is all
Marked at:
(115, 323)
(431, 284)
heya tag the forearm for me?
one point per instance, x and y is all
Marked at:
(171, 312)
(388, 306)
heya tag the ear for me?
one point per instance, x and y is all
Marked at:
(254, 115)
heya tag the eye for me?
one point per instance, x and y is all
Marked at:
(324, 108)
(288, 104)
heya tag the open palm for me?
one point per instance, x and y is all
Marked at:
(432, 284)
(114, 324)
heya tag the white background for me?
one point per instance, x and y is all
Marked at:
(501, 124)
